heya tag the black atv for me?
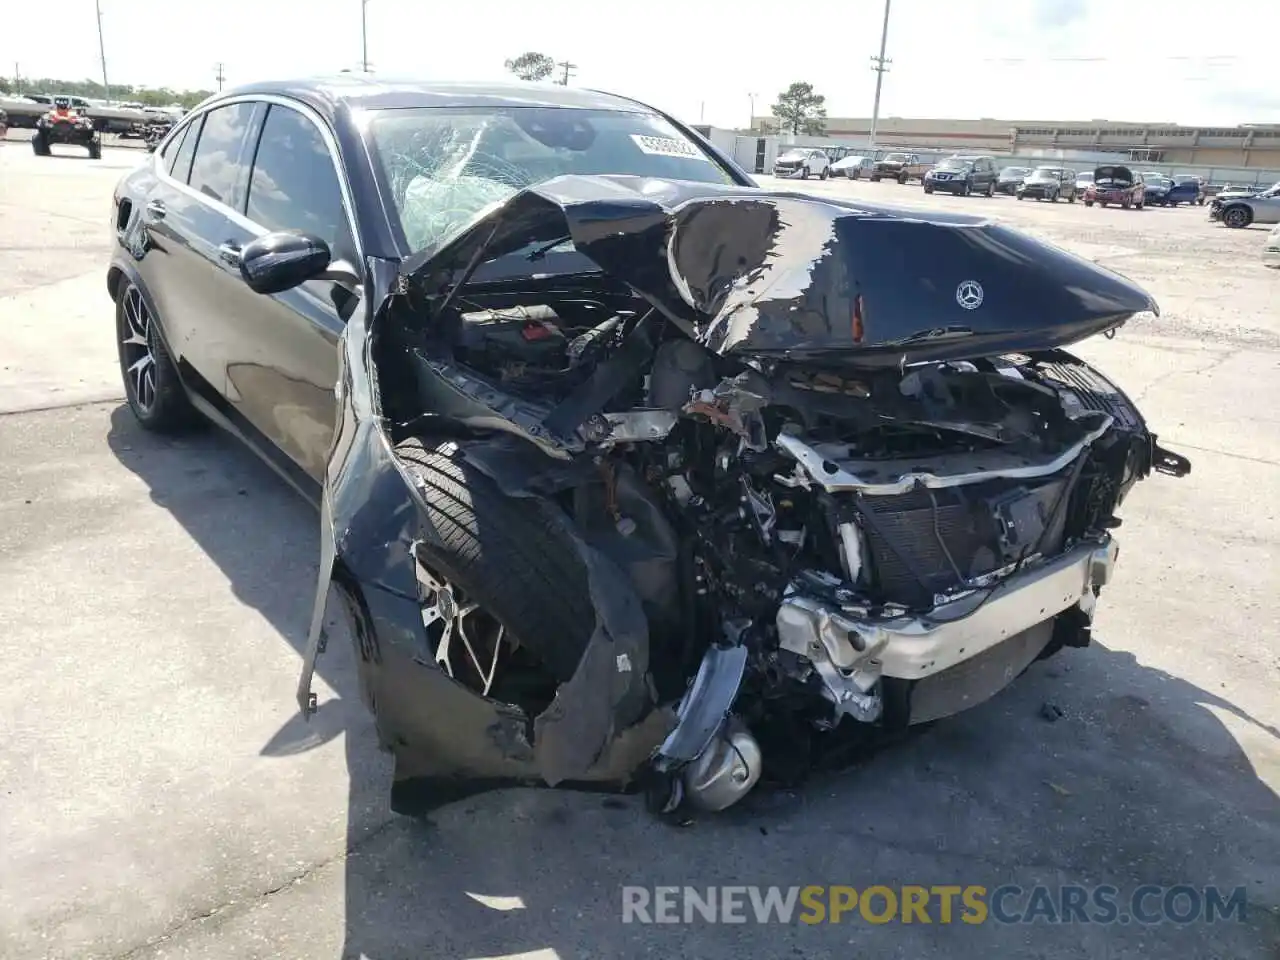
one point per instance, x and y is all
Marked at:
(63, 124)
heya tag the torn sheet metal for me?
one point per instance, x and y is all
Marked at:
(760, 272)
(447, 739)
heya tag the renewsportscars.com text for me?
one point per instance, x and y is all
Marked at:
(941, 903)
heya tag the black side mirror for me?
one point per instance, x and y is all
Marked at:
(280, 261)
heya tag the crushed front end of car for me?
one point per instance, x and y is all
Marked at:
(789, 166)
(720, 475)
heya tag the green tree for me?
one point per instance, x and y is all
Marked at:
(92, 89)
(531, 66)
(801, 110)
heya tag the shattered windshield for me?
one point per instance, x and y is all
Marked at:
(445, 165)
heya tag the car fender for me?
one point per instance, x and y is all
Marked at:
(602, 723)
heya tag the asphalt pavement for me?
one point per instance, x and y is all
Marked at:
(159, 796)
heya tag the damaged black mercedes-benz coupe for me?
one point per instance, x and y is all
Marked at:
(629, 471)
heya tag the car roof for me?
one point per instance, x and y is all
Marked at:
(367, 92)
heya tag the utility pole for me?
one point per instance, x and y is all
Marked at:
(751, 120)
(17, 80)
(568, 68)
(220, 76)
(102, 52)
(364, 36)
(880, 65)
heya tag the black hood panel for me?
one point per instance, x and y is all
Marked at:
(772, 272)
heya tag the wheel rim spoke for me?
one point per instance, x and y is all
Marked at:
(135, 349)
(464, 629)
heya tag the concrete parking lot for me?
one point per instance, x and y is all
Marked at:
(160, 798)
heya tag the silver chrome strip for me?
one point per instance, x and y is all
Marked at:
(331, 143)
(840, 480)
(911, 647)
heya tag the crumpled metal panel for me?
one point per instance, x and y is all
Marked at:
(449, 741)
(770, 272)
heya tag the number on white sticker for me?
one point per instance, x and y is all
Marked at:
(667, 147)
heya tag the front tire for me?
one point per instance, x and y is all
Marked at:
(40, 145)
(824, 174)
(151, 385)
(506, 554)
(95, 150)
(991, 189)
(1237, 217)
(928, 188)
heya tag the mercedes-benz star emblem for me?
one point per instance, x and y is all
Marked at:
(969, 294)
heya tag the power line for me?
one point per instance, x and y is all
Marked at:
(569, 69)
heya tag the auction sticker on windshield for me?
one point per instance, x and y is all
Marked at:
(667, 147)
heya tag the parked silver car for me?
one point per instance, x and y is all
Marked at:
(1236, 211)
(852, 167)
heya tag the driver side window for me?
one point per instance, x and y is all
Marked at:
(294, 184)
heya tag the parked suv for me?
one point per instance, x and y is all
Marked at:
(1049, 183)
(963, 176)
(1116, 184)
(898, 166)
(804, 163)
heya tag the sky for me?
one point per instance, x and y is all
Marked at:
(702, 60)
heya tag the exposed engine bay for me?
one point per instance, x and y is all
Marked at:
(812, 541)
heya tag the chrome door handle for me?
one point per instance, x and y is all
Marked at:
(156, 209)
(229, 253)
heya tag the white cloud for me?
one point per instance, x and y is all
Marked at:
(1037, 59)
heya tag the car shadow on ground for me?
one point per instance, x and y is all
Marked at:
(1092, 769)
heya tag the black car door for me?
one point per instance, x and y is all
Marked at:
(169, 261)
(282, 349)
(194, 220)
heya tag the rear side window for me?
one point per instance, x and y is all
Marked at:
(218, 170)
(178, 153)
(294, 185)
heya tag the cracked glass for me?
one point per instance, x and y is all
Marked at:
(445, 165)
